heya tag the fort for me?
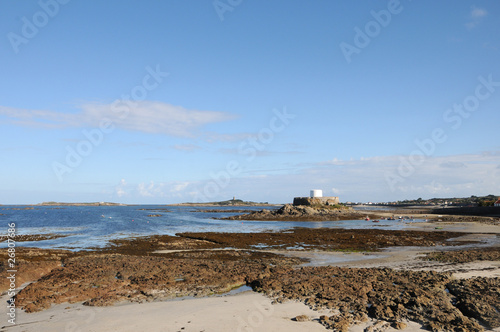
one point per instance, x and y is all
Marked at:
(316, 198)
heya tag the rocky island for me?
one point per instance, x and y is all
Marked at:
(290, 212)
(81, 204)
(305, 209)
(229, 202)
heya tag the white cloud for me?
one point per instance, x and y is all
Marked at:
(144, 116)
(186, 147)
(216, 137)
(179, 187)
(163, 189)
(476, 15)
(478, 12)
(153, 192)
(150, 190)
(39, 118)
(453, 164)
(120, 189)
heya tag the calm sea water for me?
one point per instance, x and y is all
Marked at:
(94, 226)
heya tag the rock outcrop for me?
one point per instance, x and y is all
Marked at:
(387, 295)
(465, 256)
(291, 212)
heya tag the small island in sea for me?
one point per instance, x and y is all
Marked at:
(81, 204)
(230, 202)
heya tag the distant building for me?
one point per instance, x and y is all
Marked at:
(316, 197)
(497, 203)
(316, 193)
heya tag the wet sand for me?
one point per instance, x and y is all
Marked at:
(243, 312)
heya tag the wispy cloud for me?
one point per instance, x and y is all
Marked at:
(39, 118)
(143, 116)
(154, 191)
(217, 137)
(490, 46)
(149, 190)
(453, 164)
(178, 186)
(120, 188)
(475, 17)
(187, 147)
(478, 12)
(263, 153)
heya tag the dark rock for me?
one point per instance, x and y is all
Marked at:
(399, 325)
(478, 298)
(465, 256)
(382, 294)
(302, 318)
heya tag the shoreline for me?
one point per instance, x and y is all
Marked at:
(200, 263)
(230, 202)
(290, 212)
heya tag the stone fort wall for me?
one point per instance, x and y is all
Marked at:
(327, 200)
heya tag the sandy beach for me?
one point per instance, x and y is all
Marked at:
(243, 312)
(247, 311)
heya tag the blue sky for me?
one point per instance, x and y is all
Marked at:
(174, 101)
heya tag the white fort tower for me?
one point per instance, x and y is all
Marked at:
(316, 193)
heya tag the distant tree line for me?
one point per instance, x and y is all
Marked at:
(488, 200)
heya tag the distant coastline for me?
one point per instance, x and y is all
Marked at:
(81, 204)
(230, 202)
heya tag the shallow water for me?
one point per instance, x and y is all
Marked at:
(325, 259)
(94, 226)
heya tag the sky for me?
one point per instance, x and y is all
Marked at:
(159, 102)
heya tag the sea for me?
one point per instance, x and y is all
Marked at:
(87, 227)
